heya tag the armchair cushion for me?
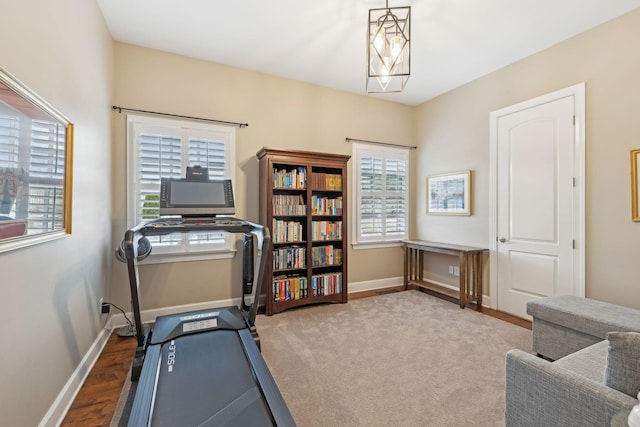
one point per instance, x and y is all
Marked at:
(589, 362)
(623, 362)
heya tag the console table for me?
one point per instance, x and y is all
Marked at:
(470, 263)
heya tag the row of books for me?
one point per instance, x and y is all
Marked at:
(326, 230)
(326, 206)
(284, 204)
(289, 258)
(326, 255)
(326, 181)
(295, 288)
(326, 284)
(286, 231)
(293, 178)
(289, 288)
(296, 178)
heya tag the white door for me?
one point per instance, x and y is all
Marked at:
(538, 211)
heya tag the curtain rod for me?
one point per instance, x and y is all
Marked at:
(411, 147)
(240, 125)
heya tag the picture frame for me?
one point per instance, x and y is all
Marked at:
(635, 185)
(449, 193)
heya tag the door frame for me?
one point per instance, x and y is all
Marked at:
(579, 164)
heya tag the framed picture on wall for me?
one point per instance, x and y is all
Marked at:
(635, 185)
(449, 193)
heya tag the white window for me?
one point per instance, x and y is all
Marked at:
(163, 148)
(381, 194)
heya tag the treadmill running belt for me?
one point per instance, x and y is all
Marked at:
(205, 380)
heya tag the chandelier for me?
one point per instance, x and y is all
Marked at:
(388, 49)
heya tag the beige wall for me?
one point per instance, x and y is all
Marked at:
(49, 305)
(458, 122)
(281, 113)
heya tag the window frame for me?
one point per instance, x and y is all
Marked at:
(137, 124)
(385, 152)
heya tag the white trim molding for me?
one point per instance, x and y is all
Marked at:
(371, 285)
(58, 410)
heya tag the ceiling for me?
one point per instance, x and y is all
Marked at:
(324, 42)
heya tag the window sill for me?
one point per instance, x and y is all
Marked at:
(163, 258)
(376, 245)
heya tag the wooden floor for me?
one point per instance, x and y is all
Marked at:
(96, 402)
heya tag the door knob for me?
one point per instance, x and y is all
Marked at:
(502, 240)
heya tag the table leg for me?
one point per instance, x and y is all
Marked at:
(479, 278)
(406, 267)
(464, 291)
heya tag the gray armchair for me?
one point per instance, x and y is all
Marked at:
(565, 393)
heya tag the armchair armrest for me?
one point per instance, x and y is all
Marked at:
(540, 393)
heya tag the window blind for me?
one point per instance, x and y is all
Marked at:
(382, 193)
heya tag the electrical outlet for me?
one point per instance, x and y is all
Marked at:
(456, 271)
(105, 307)
(451, 269)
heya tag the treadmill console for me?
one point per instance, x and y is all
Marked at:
(200, 198)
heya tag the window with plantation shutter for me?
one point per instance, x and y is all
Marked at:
(163, 148)
(381, 193)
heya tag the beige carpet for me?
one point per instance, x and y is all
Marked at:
(400, 359)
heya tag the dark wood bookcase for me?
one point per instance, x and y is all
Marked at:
(303, 201)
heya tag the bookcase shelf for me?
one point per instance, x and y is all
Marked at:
(303, 201)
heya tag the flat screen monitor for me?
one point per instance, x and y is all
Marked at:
(196, 198)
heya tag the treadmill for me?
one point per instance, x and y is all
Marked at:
(202, 368)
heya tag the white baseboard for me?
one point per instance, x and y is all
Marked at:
(56, 413)
(371, 285)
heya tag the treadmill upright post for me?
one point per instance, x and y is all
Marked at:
(131, 238)
(131, 255)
